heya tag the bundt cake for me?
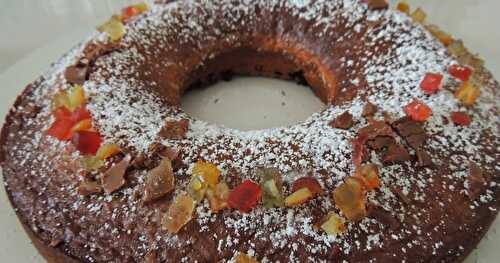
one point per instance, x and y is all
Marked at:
(102, 164)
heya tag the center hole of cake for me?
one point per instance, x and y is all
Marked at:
(252, 103)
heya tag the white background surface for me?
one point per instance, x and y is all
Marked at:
(34, 33)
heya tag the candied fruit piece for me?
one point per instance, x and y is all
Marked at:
(332, 224)
(114, 28)
(83, 125)
(76, 96)
(217, 198)
(245, 196)
(419, 15)
(244, 258)
(79, 114)
(350, 198)
(179, 214)
(209, 172)
(445, 38)
(468, 93)
(87, 142)
(369, 174)
(91, 163)
(134, 10)
(62, 113)
(272, 194)
(108, 150)
(309, 183)
(114, 178)
(418, 111)
(464, 56)
(197, 188)
(404, 7)
(460, 72)
(431, 83)
(61, 129)
(61, 100)
(299, 197)
(461, 118)
(159, 181)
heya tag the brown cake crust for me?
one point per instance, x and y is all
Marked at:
(421, 214)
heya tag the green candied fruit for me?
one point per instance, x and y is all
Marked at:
(272, 194)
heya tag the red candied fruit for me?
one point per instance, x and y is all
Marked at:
(87, 142)
(431, 83)
(307, 182)
(129, 12)
(245, 196)
(79, 114)
(461, 118)
(460, 72)
(61, 129)
(418, 111)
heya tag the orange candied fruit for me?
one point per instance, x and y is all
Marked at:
(467, 93)
(133, 10)
(404, 7)
(245, 196)
(350, 198)
(461, 118)
(445, 38)
(179, 214)
(208, 171)
(431, 83)
(418, 111)
(218, 197)
(369, 174)
(244, 258)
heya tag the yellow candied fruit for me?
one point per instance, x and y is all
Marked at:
(332, 224)
(197, 188)
(419, 15)
(467, 93)
(114, 28)
(108, 150)
(179, 214)
(404, 7)
(83, 125)
(76, 96)
(61, 99)
(244, 258)
(142, 7)
(299, 197)
(91, 163)
(209, 172)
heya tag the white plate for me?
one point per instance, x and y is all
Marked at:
(467, 19)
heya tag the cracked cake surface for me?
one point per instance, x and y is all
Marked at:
(350, 55)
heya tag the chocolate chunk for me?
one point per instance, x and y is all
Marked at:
(383, 216)
(400, 194)
(412, 131)
(396, 153)
(89, 187)
(343, 121)
(476, 181)
(367, 133)
(377, 4)
(381, 142)
(55, 242)
(114, 178)
(94, 50)
(159, 181)
(369, 110)
(175, 130)
(76, 74)
(424, 159)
